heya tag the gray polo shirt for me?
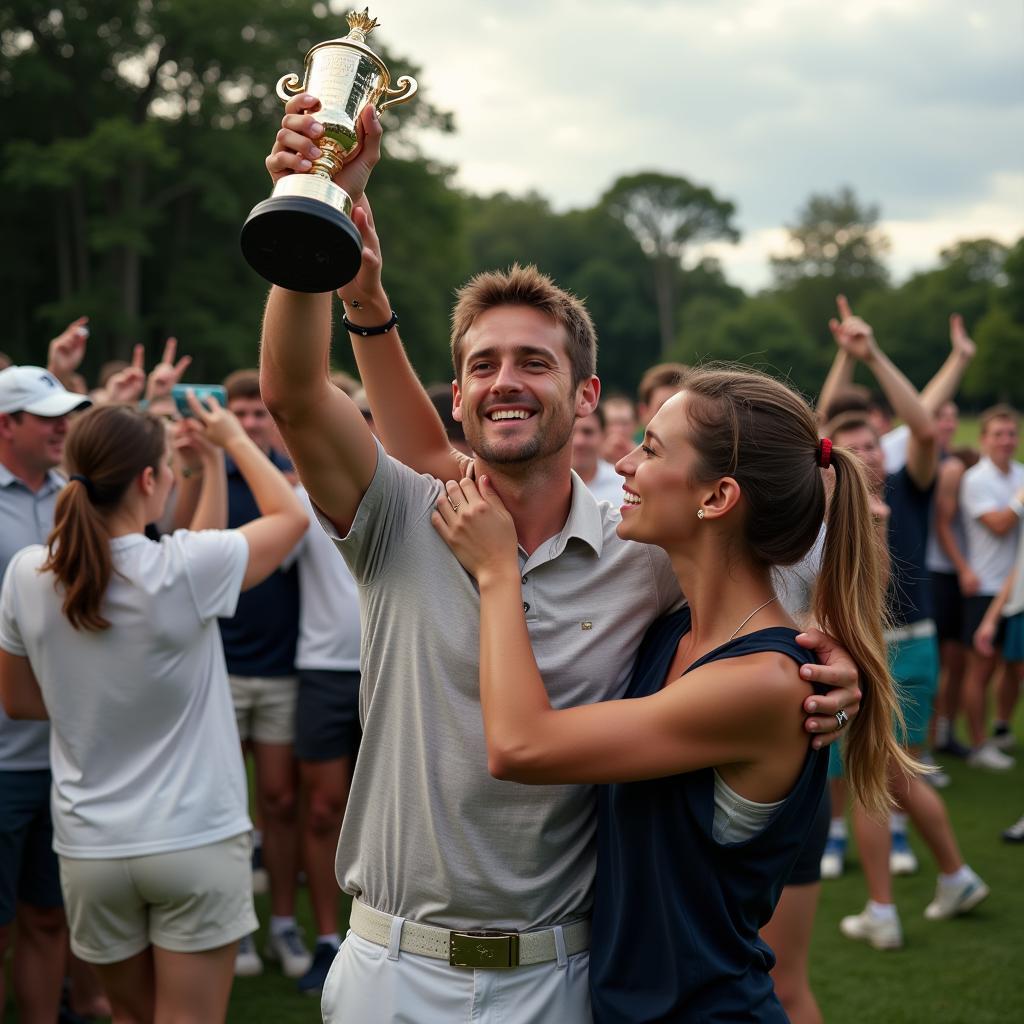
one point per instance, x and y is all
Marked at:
(26, 517)
(428, 833)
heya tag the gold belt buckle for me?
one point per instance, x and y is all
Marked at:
(483, 950)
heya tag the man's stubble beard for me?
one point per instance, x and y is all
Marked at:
(548, 440)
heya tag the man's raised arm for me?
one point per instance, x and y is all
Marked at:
(325, 432)
(403, 414)
(856, 337)
(406, 420)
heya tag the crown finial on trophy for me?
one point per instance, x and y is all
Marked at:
(360, 24)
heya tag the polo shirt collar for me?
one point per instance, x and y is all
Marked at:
(585, 522)
(53, 482)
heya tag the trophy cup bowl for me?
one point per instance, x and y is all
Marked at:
(302, 237)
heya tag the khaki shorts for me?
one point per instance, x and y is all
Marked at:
(187, 901)
(265, 707)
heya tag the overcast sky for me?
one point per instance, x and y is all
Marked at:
(917, 104)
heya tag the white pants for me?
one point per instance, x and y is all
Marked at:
(370, 984)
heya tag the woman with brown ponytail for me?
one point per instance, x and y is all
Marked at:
(711, 786)
(114, 638)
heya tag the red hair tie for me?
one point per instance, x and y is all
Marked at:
(824, 453)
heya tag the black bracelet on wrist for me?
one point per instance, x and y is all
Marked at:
(366, 332)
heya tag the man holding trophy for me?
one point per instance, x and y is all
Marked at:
(471, 896)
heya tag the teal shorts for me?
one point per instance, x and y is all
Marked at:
(914, 665)
(1013, 643)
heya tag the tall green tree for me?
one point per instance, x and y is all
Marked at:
(835, 246)
(669, 215)
(136, 136)
(912, 321)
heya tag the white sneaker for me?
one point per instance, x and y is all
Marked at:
(901, 857)
(288, 948)
(247, 961)
(833, 857)
(988, 756)
(937, 779)
(1004, 741)
(951, 900)
(880, 932)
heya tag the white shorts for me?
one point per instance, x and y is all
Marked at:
(265, 707)
(186, 901)
(369, 985)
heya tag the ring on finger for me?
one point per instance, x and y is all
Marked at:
(455, 506)
(842, 719)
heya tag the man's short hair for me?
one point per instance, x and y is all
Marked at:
(242, 384)
(662, 375)
(1002, 411)
(846, 421)
(879, 403)
(527, 286)
(108, 369)
(854, 398)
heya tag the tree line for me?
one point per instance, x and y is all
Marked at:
(134, 151)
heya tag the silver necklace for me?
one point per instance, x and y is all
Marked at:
(749, 617)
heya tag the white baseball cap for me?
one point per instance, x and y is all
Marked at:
(35, 390)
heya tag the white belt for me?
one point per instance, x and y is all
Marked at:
(915, 631)
(473, 949)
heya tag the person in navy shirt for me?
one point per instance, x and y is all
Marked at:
(711, 786)
(259, 647)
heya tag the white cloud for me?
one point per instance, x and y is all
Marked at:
(916, 104)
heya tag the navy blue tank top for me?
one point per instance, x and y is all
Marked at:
(677, 914)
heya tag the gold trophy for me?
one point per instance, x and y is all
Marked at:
(302, 237)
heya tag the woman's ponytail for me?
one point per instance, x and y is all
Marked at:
(106, 449)
(849, 604)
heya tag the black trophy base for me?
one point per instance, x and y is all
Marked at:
(301, 244)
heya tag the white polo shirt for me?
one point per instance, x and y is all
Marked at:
(144, 747)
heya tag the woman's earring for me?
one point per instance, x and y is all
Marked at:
(700, 513)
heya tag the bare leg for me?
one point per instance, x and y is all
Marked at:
(87, 996)
(976, 676)
(928, 813)
(953, 657)
(275, 789)
(789, 935)
(193, 988)
(873, 844)
(39, 963)
(1008, 690)
(129, 985)
(325, 785)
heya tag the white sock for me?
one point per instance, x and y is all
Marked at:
(958, 878)
(334, 939)
(897, 823)
(942, 732)
(882, 911)
(837, 828)
(279, 925)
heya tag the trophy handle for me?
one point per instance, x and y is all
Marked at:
(288, 86)
(406, 90)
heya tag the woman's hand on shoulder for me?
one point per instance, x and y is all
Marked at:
(473, 522)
